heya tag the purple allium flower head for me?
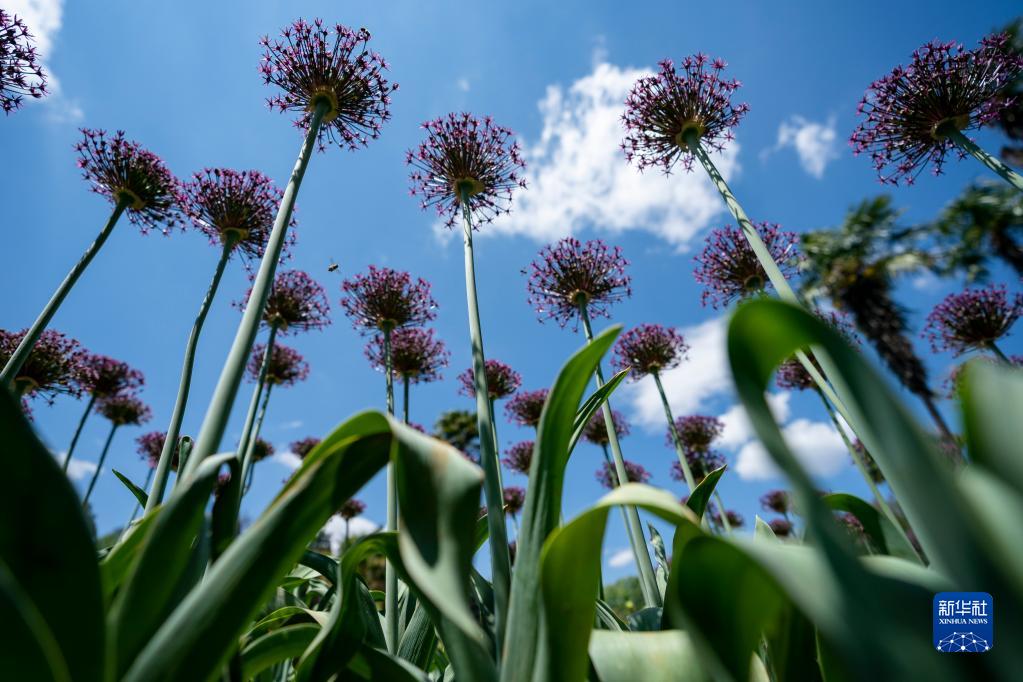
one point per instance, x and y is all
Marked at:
(416, 356)
(649, 349)
(792, 376)
(701, 463)
(351, 508)
(663, 109)
(261, 449)
(526, 407)
(223, 202)
(728, 268)
(20, 73)
(778, 501)
(462, 154)
(53, 367)
(781, 527)
(286, 366)
(102, 376)
(735, 519)
(150, 446)
(387, 299)
(635, 473)
(596, 431)
(852, 525)
(973, 319)
(120, 169)
(296, 303)
(124, 409)
(502, 381)
(911, 111)
(514, 499)
(313, 64)
(304, 447)
(570, 273)
(696, 432)
(519, 457)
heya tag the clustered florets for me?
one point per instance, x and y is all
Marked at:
(384, 299)
(502, 380)
(729, 269)
(570, 274)
(635, 473)
(519, 456)
(150, 447)
(284, 367)
(296, 303)
(595, 430)
(304, 447)
(102, 376)
(351, 508)
(416, 356)
(526, 407)
(53, 367)
(972, 319)
(649, 349)
(20, 73)
(124, 409)
(514, 500)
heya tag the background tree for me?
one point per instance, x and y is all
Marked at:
(458, 427)
(1011, 118)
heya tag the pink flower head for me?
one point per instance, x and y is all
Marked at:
(150, 447)
(514, 499)
(54, 366)
(781, 527)
(596, 430)
(519, 456)
(286, 367)
(525, 407)
(385, 299)
(20, 73)
(261, 449)
(778, 501)
(649, 349)
(696, 432)
(502, 380)
(102, 376)
(304, 447)
(972, 319)
(351, 508)
(124, 409)
(570, 274)
(608, 477)
(728, 268)
(416, 356)
(296, 303)
(701, 464)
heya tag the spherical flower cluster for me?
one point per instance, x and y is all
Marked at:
(666, 111)
(150, 446)
(386, 299)
(123, 171)
(696, 432)
(502, 380)
(124, 409)
(608, 477)
(649, 349)
(778, 501)
(261, 449)
(735, 519)
(303, 447)
(416, 356)
(285, 367)
(526, 407)
(314, 65)
(519, 456)
(53, 367)
(20, 73)
(596, 430)
(102, 376)
(465, 158)
(571, 274)
(729, 269)
(296, 303)
(240, 204)
(911, 112)
(781, 527)
(701, 463)
(514, 500)
(351, 508)
(792, 376)
(972, 319)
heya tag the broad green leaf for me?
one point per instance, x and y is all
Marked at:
(607, 617)
(114, 567)
(882, 534)
(278, 645)
(700, 498)
(763, 531)
(373, 664)
(28, 650)
(592, 404)
(224, 519)
(646, 620)
(419, 640)
(48, 551)
(992, 397)
(138, 492)
(663, 567)
(649, 656)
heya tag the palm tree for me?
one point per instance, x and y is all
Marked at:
(854, 265)
(1011, 118)
(985, 221)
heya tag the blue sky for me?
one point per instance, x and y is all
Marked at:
(181, 78)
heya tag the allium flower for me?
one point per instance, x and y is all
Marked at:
(519, 457)
(729, 269)
(351, 508)
(386, 299)
(778, 501)
(570, 274)
(102, 376)
(735, 519)
(122, 170)
(296, 303)
(792, 376)
(635, 473)
(304, 447)
(525, 407)
(20, 73)
(649, 349)
(972, 319)
(261, 449)
(911, 112)
(124, 409)
(663, 109)
(850, 524)
(462, 154)
(313, 64)
(416, 356)
(53, 367)
(596, 431)
(150, 445)
(701, 463)
(781, 527)
(514, 500)
(696, 432)
(286, 367)
(502, 381)
(222, 202)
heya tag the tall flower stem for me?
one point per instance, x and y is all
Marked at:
(679, 450)
(724, 513)
(178, 414)
(390, 575)
(499, 555)
(994, 163)
(78, 431)
(99, 464)
(646, 568)
(250, 417)
(625, 513)
(21, 353)
(404, 402)
(991, 346)
(247, 462)
(219, 411)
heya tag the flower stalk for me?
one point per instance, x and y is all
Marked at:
(249, 431)
(992, 162)
(390, 575)
(99, 464)
(686, 471)
(78, 430)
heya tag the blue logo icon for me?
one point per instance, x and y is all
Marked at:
(964, 622)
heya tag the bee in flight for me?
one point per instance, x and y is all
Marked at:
(332, 267)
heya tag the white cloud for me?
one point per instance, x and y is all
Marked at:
(814, 143)
(335, 530)
(738, 429)
(622, 557)
(579, 179)
(462, 84)
(44, 19)
(815, 444)
(79, 469)
(293, 424)
(288, 460)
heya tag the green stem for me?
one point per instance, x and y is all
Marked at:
(185, 444)
(404, 402)
(257, 392)
(248, 463)
(178, 414)
(219, 411)
(99, 464)
(625, 513)
(647, 580)
(390, 575)
(679, 450)
(993, 347)
(994, 163)
(499, 556)
(21, 353)
(78, 431)
(724, 513)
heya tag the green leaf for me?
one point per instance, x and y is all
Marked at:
(27, 649)
(646, 620)
(607, 617)
(419, 640)
(118, 561)
(224, 519)
(700, 498)
(663, 567)
(992, 397)
(49, 555)
(763, 531)
(592, 404)
(884, 536)
(649, 656)
(138, 492)
(276, 646)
